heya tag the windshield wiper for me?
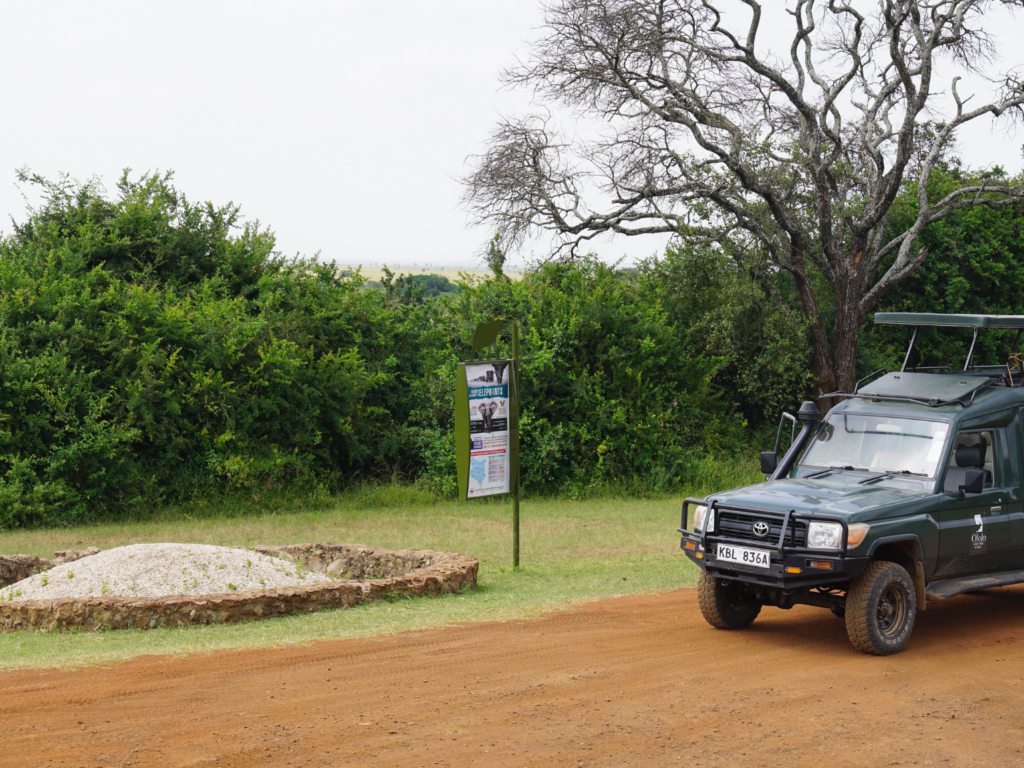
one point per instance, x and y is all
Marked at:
(833, 469)
(818, 472)
(891, 474)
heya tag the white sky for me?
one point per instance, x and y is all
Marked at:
(342, 125)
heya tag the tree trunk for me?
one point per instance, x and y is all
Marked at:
(844, 348)
(835, 359)
(822, 365)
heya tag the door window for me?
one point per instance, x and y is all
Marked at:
(972, 450)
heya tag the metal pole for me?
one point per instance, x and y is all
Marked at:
(909, 350)
(515, 489)
(970, 352)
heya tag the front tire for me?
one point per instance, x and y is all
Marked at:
(726, 605)
(881, 606)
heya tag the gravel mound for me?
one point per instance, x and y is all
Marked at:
(159, 570)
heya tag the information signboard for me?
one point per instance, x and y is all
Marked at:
(487, 422)
(485, 429)
(489, 407)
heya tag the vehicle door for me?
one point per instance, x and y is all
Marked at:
(1013, 463)
(976, 533)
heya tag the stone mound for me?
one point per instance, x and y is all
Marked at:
(334, 576)
(163, 570)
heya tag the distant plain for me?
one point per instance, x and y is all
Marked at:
(452, 271)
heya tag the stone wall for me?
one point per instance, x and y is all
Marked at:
(352, 561)
(372, 574)
(14, 568)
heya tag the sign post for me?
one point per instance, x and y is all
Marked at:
(487, 423)
(515, 417)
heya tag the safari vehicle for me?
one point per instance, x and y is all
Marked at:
(909, 490)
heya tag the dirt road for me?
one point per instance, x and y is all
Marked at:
(630, 682)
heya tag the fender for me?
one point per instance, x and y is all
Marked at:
(911, 556)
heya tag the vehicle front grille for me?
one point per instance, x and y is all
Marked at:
(740, 525)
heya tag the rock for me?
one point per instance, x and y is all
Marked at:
(14, 568)
(337, 569)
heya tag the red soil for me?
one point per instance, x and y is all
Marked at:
(633, 681)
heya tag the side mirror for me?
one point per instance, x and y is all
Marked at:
(769, 461)
(974, 482)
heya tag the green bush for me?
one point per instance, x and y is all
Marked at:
(193, 358)
(739, 320)
(154, 351)
(611, 390)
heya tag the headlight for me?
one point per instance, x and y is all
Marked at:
(700, 515)
(824, 535)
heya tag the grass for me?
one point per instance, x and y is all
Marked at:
(571, 551)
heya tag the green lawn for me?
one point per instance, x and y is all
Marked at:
(571, 552)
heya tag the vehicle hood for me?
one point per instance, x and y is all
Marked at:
(842, 495)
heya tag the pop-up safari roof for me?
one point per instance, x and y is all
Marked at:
(936, 386)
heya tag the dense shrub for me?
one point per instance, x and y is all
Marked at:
(150, 348)
(740, 318)
(435, 285)
(155, 350)
(611, 389)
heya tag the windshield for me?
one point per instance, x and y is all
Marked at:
(878, 443)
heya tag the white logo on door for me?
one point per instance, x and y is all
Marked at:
(979, 537)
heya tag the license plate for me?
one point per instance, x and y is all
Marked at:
(755, 557)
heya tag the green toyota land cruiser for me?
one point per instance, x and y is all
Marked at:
(909, 490)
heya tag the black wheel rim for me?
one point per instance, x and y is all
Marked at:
(892, 610)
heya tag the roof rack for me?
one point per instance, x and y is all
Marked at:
(1005, 322)
(977, 322)
(961, 392)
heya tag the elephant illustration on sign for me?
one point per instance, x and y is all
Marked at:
(492, 373)
(499, 372)
(487, 411)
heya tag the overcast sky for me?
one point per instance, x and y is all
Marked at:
(343, 126)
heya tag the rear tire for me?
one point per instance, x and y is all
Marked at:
(726, 605)
(881, 606)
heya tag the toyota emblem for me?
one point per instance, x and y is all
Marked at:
(760, 529)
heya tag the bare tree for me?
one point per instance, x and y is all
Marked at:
(797, 156)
